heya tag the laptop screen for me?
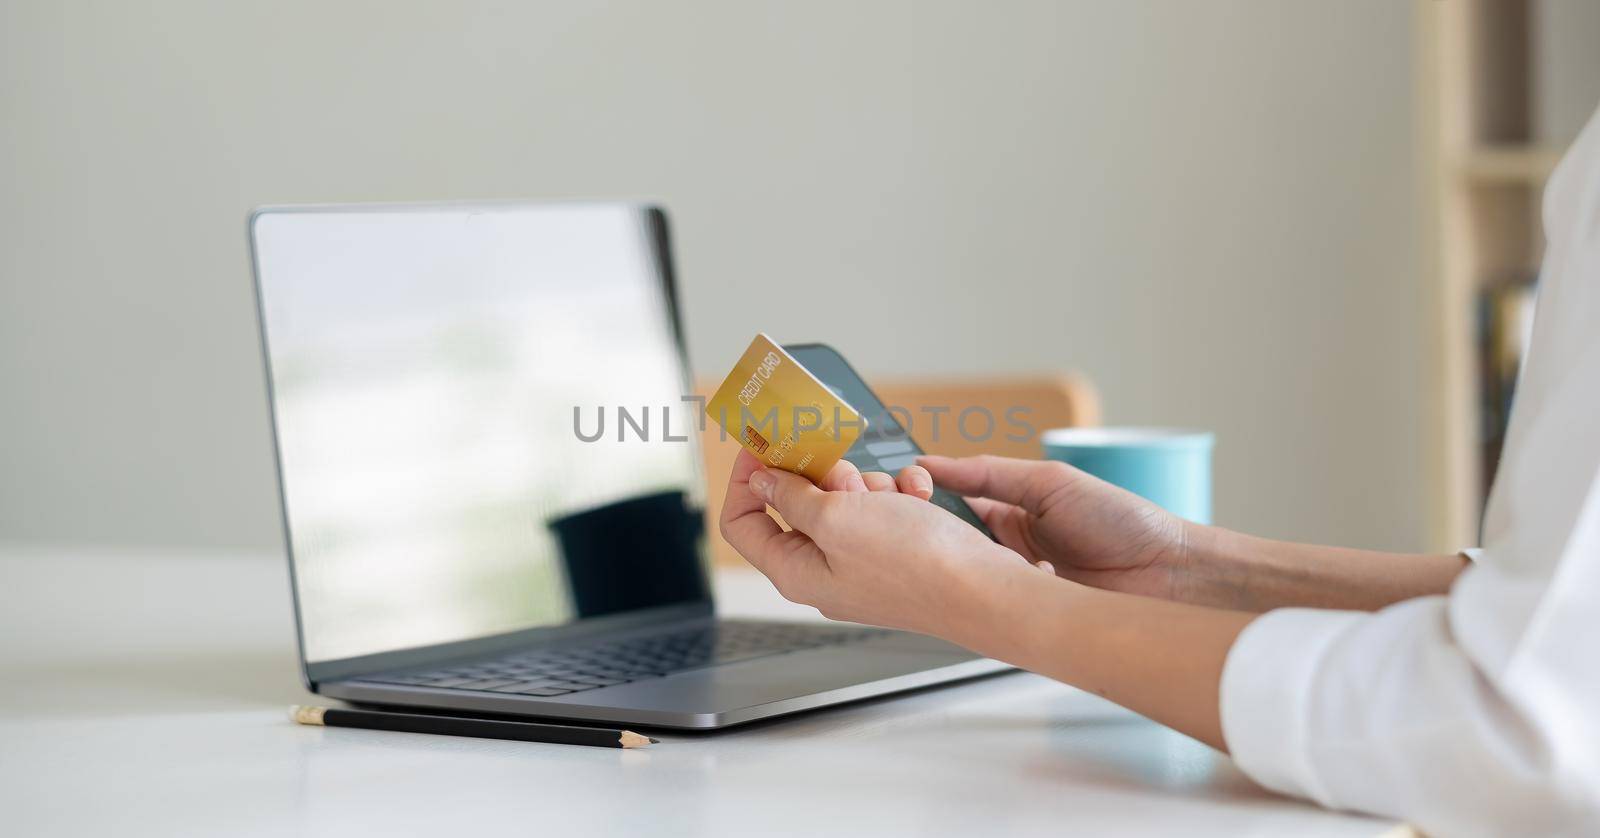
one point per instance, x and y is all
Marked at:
(448, 389)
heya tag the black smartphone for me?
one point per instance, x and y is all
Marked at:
(884, 445)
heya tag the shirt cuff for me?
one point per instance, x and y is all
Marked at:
(1267, 684)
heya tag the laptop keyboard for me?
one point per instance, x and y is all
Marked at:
(570, 669)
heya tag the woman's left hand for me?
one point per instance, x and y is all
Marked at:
(893, 559)
(883, 557)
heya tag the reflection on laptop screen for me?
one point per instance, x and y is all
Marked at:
(425, 366)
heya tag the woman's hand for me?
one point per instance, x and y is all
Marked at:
(884, 557)
(1088, 530)
(891, 559)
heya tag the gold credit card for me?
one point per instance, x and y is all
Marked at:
(782, 414)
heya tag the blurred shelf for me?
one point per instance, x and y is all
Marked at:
(1481, 195)
(1509, 165)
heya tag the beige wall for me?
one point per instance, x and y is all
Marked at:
(1566, 67)
(1207, 207)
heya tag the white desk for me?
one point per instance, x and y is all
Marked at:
(145, 694)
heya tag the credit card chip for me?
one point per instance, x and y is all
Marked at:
(755, 440)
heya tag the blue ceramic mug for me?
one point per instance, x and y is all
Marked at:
(1169, 466)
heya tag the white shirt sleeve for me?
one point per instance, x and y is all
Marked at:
(1476, 713)
(1385, 713)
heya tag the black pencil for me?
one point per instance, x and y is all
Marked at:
(459, 726)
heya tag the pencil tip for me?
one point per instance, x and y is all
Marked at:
(630, 739)
(301, 714)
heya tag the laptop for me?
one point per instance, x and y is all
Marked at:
(489, 481)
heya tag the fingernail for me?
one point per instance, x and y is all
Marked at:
(924, 459)
(923, 487)
(854, 483)
(761, 484)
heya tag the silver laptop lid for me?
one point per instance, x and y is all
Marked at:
(438, 375)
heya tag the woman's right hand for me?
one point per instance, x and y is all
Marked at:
(1087, 529)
